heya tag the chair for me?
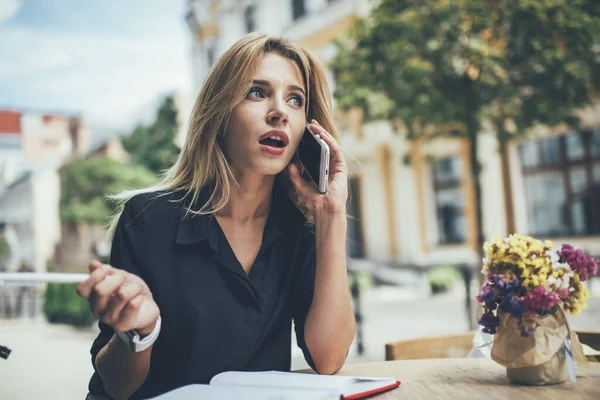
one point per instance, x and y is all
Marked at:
(591, 339)
(459, 346)
(446, 346)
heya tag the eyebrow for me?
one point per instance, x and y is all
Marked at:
(266, 83)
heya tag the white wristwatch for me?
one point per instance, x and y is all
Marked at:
(133, 341)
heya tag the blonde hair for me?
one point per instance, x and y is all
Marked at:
(202, 160)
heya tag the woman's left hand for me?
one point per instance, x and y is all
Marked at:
(334, 201)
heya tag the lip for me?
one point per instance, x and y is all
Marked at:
(274, 151)
(284, 136)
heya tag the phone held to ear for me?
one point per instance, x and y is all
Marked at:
(313, 154)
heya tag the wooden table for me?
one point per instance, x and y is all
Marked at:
(470, 378)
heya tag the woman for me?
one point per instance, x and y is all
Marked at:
(212, 265)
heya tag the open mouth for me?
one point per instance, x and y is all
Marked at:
(275, 138)
(273, 142)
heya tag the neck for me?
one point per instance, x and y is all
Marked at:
(249, 198)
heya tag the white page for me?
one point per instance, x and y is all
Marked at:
(220, 392)
(342, 384)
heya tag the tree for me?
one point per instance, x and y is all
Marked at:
(85, 184)
(154, 145)
(441, 67)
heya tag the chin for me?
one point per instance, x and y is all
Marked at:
(271, 171)
(271, 168)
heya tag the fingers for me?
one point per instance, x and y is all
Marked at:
(119, 301)
(97, 274)
(118, 296)
(303, 188)
(316, 128)
(105, 290)
(94, 265)
(334, 147)
(129, 314)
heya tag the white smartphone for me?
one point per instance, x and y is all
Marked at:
(313, 154)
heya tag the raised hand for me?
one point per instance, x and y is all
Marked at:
(334, 201)
(121, 299)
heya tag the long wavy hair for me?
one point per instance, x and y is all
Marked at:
(202, 161)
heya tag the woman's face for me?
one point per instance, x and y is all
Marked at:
(265, 128)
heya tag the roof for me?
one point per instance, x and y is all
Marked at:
(10, 121)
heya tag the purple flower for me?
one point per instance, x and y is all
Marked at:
(487, 295)
(506, 282)
(490, 330)
(512, 305)
(541, 299)
(489, 322)
(585, 266)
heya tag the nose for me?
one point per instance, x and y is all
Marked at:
(277, 114)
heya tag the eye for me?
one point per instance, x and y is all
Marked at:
(298, 101)
(256, 93)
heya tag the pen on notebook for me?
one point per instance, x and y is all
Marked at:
(37, 278)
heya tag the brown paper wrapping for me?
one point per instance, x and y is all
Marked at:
(536, 359)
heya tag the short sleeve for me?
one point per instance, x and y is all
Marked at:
(123, 255)
(304, 294)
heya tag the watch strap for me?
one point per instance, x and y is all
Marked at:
(135, 343)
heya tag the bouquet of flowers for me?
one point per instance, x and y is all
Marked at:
(529, 286)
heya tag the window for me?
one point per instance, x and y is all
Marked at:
(298, 9)
(249, 18)
(562, 184)
(354, 240)
(449, 199)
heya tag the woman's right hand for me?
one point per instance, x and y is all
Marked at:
(121, 299)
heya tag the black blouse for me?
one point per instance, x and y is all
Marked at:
(215, 317)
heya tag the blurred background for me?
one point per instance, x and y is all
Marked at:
(461, 122)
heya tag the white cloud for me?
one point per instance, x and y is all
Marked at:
(107, 76)
(8, 8)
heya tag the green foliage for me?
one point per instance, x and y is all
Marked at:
(63, 305)
(153, 145)
(442, 278)
(85, 184)
(441, 67)
(440, 62)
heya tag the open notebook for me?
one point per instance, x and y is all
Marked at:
(274, 385)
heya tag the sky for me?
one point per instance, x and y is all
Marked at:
(109, 60)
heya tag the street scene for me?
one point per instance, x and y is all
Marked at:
(470, 132)
(57, 356)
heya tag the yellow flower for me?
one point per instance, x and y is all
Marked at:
(537, 248)
(543, 280)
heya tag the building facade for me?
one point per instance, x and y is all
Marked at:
(33, 146)
(413, 202)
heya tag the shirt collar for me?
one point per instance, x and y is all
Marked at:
(195, 228)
